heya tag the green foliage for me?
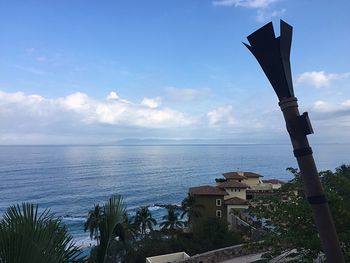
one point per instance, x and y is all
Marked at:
(172, 222)
(209, 234)
(109, 219)
(289, 218)
(212, 233)
(191, 209)
(337, 188)
(144, 220)
(93, 222)
(112, 219)
(29, 236)
(156, 243)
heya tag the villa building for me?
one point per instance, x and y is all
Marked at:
(232, 193)
(212, 199)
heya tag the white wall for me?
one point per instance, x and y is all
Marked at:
(168, 258)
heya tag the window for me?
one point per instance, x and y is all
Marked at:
(231, 190)
(239, 190)
(218, 202)
(218, 213)
(235, 190)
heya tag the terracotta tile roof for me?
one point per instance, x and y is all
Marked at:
(232, 184)
(233, 175)
(252, 175)
(206, 190)
(241, 175)
(273, 181)
(235, 201)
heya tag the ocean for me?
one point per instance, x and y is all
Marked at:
(71, 179)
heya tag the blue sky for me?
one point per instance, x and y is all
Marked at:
(101, 71)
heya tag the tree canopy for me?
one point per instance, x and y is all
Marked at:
(288, 218)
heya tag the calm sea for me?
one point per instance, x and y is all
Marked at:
(71, 179)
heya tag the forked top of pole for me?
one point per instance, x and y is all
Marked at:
(273, 55)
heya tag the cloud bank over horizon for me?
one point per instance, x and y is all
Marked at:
(79, 118)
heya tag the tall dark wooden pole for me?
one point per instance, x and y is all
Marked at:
(273, 55)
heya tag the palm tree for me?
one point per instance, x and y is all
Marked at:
(191, 209)
(127, 233)
(172, 222)
(110, 225)
(29, 236)
(129, 229)
(93, 221)
(144, 220)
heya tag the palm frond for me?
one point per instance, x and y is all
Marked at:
(113, 212)
(29, 236)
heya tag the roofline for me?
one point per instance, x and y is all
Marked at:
(244, 176)
(242, 187)
(208, 194)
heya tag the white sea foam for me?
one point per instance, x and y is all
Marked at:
(68, 218)
(84, 242)
(154, 208)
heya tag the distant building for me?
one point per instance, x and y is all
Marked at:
(232, 193)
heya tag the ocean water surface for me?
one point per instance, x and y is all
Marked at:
(71, 179)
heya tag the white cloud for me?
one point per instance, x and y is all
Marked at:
(346, 104)
(221, 116)
(122, 112)
(263, 7)
(321, 106)
(32, 105)
(78, 117)
(32, 110)
(332, 119)
(178, 94)
(263, 15)
(77, 102)
(112, 96)
(152, 103)
(245, 3)
(320, 78)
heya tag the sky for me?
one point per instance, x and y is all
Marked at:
(90, 72)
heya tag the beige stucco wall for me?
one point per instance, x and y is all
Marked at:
(262, 187)
(276, 186)
(251, 181)
(240, 192)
